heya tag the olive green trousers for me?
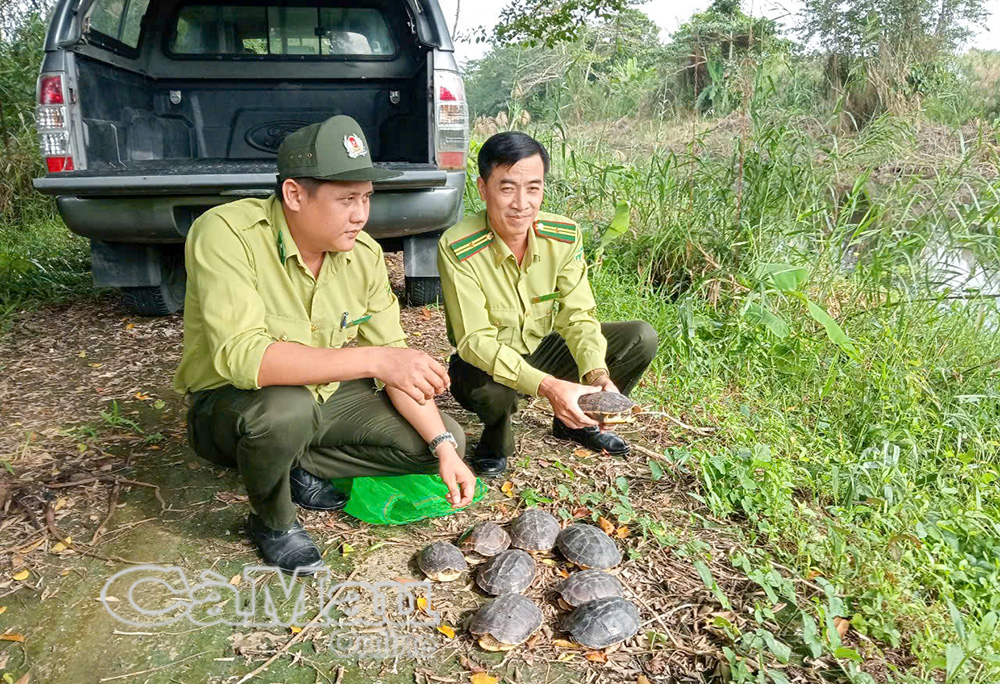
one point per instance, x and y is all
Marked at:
(265, 433)
(631, 347)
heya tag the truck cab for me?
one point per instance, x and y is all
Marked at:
(152, 111)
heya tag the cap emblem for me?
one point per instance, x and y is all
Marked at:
(355, 148)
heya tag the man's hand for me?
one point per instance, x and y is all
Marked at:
(604, 384)
(456, 474)
(563, 396)
(413, 372)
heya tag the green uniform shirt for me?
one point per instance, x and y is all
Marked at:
(248, 287)
(497, 311)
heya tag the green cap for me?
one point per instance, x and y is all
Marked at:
(335, 149)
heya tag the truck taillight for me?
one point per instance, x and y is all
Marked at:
(451, 136)
(52, 121)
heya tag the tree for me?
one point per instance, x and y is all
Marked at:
(550, 22)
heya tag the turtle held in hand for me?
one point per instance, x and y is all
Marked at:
(535, 531)
(604, 623)
(509, 572)
(483, 540)
(505, 622)
(608, 408)
(586, 586)
(442, 561)
(587, 546)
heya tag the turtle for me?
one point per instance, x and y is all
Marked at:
(534, 531)
(586, 586)
(482, 541)
(442, 561)
(505, 622)
(509, 572)
(608, 408)
(587, 546)
(603, 623)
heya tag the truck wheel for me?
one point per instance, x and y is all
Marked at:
(422, 291)
(159, 300)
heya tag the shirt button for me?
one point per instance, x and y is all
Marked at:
(313, 328)
(283, 338)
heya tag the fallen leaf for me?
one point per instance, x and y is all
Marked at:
(422, 604)
(482, 678)
(642, 679)
(842, 626)
(346, 549)
(606, 525)
(95, 365)
(547, 561)
(235, 580)
(563, 657)
(581, 453)
(130, 326)
(141, 396)
(3, 609)
(563, 643)
(622, 532)
(507, 488)
(426, 314)
(447, 631)
(596, 656)
(82, 355)
(21, 576)
(563, 572)
(581, 512)
(57, 547)
(12, 637)
(295, 629)
(25, 678)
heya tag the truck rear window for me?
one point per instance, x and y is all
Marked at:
(281, 30)
(118, 21)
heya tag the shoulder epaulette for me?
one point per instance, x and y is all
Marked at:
(555, 230)
(471, 244)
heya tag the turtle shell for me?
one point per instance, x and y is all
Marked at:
(586, 586)
(509, 619)
(604, 622)
(442, 561)
(604, 406)
(588, 547)
(510, 571)
(534, 530)
(485, 538)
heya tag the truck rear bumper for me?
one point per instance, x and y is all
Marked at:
(397, 210)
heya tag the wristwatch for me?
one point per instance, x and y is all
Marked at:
(443, 437)
(591, 377)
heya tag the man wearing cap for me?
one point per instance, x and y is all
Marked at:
(276, 289)
(520, 311)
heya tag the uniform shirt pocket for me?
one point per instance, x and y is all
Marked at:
(542, 317)
(285, 329)
(508, 324)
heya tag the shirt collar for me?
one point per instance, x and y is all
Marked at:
(283, 241)
(501, 252)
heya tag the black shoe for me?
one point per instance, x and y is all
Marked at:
(486, 463)
(289, 550)
(315, 493)
(592, 438)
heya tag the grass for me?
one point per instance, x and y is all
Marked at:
(41, 262)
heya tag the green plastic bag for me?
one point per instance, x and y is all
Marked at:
(399, 499)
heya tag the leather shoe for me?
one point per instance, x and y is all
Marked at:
(315, 493)
(290, 550)
(592, 438)
(486, 463)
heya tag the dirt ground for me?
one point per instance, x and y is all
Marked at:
(94, 441)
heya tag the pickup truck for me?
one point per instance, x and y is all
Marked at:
(152, 111)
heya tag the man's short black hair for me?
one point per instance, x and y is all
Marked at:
(508, 148)
(310, 184)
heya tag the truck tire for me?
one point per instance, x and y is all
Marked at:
(422, 291)
(159, 300)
